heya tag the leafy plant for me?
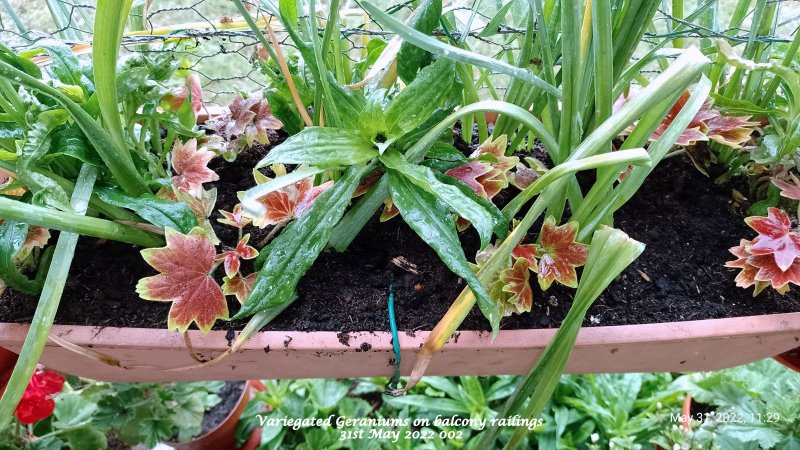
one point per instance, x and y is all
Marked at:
(85, 414)
(752, 407)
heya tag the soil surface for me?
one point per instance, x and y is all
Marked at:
(686, 221)
(230, 394)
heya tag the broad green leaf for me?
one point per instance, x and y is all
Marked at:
(160, 212)
(742, 107)
(70, 141)
(12, 236)
(287, 258)
(66, 67)
(72, 410)
(37, 144)
(416, 103)
(348, 105)
(424, 19)
(284, 109)
(499, 219)
(451, 195)
(10, 130)
(288, 10)
(86, 439)
(24, 64)
(322, 147)
(372, 120)
(429, 218)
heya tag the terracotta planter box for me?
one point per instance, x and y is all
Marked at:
(675, 346)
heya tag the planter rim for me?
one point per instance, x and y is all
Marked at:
(162, 355)
(305, 340)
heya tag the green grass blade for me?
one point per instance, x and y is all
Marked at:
(437, 47)
(48, 302)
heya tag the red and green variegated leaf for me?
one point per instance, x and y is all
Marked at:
(279, 207)
(560, 254)
(231, 263)
(469, 173)
(390, 211)
(689, 136)
(529, 252)
(307, 193)
(231, 259)
(184, 278)
(236, 218)
(774, 238)
(747, 276)
(245, 251)
(515, 282)
(239, 286)
(788, 190)
(190, 164)
(771, 272)
(730, 130)
(192, 85)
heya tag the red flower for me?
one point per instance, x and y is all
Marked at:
(37, 401)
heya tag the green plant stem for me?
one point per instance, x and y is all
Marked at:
(77, 223)
(95, 203)
(48, 302)
(110, 18)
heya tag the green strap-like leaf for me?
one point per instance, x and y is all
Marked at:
(291, 254)
(437, 47)
(430, 220)
(160, 212)
(322, 147)
(452, 196)
(417, 102)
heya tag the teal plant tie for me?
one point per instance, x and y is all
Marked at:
(393, 383)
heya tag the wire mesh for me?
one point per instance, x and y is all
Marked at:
(210, 37)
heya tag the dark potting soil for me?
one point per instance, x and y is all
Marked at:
(686, 221)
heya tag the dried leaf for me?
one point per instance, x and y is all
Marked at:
(190, 164)
(184, 278)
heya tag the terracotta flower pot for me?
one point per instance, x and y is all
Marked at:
(223, 436)
(147, 354)
(790, 359)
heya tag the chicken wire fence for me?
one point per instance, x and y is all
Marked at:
(211, 38)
